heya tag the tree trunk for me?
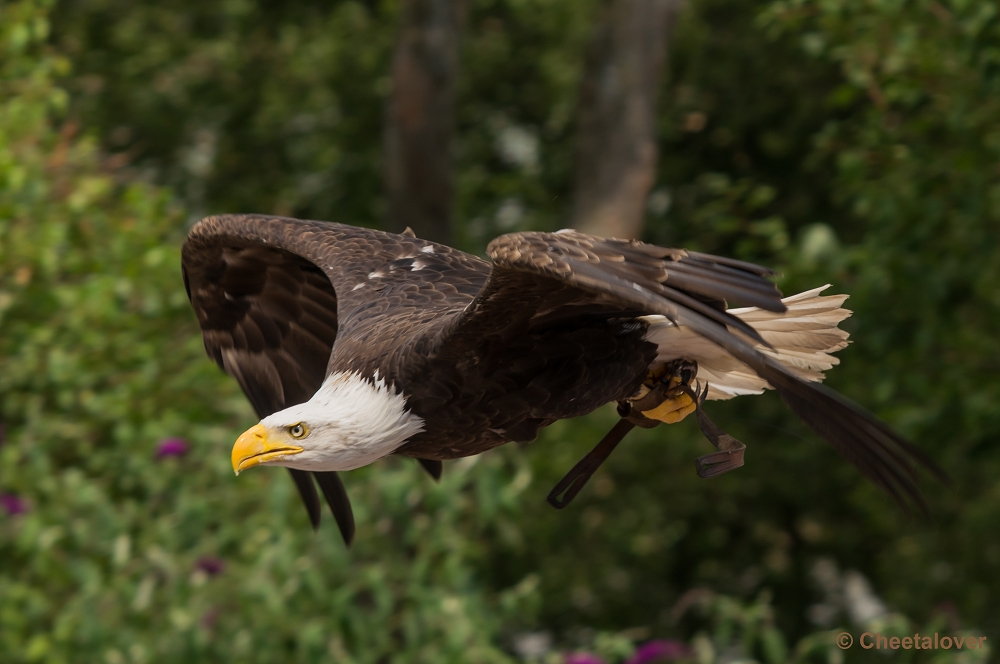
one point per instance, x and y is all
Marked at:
(616, 150)
(420, 120)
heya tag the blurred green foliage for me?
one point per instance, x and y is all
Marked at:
(844, 142)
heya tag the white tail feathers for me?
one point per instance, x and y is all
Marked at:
(803, 338)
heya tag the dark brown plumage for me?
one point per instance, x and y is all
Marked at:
(484, 353)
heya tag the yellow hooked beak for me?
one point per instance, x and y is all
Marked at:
(254, 447)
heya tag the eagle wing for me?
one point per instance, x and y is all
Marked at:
(268, 316)
(542, 276)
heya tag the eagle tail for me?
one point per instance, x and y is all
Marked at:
(802, 339)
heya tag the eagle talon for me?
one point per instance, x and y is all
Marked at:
(665, 395)
(673, 410)
(702, 394)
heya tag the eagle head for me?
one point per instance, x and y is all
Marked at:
(350, 422)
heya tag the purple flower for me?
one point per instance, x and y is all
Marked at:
(582, 658)
(661, 650)
(171, 447)
(210, 565)
(13, 504)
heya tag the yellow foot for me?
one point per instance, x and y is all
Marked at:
(672, 410)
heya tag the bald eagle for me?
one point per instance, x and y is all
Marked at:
(353, 344)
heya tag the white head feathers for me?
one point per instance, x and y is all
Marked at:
(350, 422)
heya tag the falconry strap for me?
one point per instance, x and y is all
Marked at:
(729, 457)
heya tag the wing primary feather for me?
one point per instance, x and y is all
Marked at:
(657, 296)
(878, 452)
(433, 467)
(340, 504)
(713, 281)
(861, 422)
(753, 268)
(721, 317)
(309, 496)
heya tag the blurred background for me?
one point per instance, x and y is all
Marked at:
(848, 142)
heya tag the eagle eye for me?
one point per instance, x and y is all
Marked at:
(297, 431)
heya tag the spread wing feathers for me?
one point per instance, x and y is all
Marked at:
(638, 277)
(269, 319)
(600, 267)
(802, 340)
